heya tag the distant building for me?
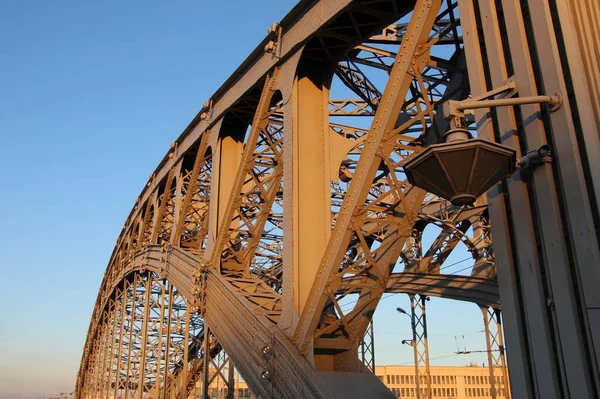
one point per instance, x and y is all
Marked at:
(451, 382)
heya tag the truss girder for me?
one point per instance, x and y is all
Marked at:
(257, 184)
(144, 340)
(360, 215)
(191, 250)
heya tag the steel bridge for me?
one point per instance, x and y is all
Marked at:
(266, 236)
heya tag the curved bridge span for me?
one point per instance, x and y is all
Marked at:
(267, 235)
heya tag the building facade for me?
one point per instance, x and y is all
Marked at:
(448, 382)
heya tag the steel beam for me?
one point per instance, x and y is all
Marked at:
(478, 290)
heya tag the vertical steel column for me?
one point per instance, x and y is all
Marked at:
(367, 348)
(160, 341)
(495, 352)
(120, 334)
(131, 319)
(168, 340)
(419, 343)
(186, 346)
(205, 361)
(113, 317)
(106, 337)
(100, 350)
(125, 358)
(136, 335)
(226, 160)
(230, 379)
(307, 196)
(144, 342)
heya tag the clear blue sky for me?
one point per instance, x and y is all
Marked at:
(91, 95)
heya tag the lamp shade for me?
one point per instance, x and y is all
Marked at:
(461, 171)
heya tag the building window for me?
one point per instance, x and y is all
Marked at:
(412, 390)
(388, 379)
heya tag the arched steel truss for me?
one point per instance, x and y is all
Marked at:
(281, 215)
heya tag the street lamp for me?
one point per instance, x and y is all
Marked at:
(400, 310)
(462, 168)
(409, 342)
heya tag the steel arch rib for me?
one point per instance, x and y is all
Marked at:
(194, 234)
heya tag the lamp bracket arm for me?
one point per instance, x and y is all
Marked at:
(456, 109)
(451, 107)
(508, 88)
